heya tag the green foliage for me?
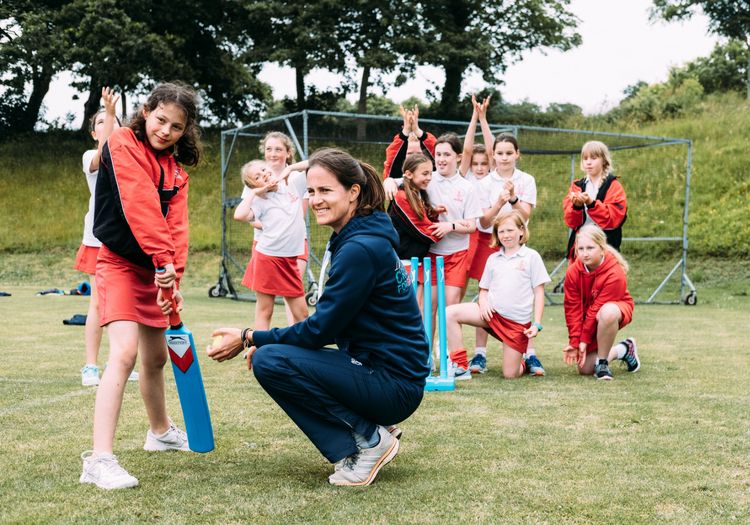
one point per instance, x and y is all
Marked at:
(651, 103)
(725, 69)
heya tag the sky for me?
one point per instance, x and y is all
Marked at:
(620, 47)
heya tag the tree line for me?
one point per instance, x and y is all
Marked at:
(220, 46)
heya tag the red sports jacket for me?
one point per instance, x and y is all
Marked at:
(609, 211)
(395, 153)
(141, 203)
(586, 292)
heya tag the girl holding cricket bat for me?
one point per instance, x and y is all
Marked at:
(141, 218)
(345, 399)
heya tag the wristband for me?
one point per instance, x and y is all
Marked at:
(514, 201)
(243, 337)
(538, 326)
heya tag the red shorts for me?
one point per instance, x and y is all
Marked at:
(509, 332)
(626, 309)
(456, 268)
(481, 254)
(86, 259)
(126, 292)
(273, 275)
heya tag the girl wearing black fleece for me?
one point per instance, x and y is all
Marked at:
(343, 399)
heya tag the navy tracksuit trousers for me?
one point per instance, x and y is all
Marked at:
(330, 395)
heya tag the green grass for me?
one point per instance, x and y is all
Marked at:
(668, 444)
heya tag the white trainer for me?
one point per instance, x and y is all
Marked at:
(360, 469)
(90, 375)
(173, 439)
(133, 376)
(105, 472)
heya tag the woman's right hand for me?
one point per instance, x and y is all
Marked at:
(109, 100)
(166, 278)
(230, 345)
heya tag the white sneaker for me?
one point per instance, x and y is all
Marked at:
(105, 472)
(90, 375)
(458, 373)
(133, 376)
(172, 439)
(360, 469)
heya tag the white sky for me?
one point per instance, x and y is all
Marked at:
(620, 47)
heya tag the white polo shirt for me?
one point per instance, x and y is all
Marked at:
(490, 187)
(280, 213)
(88, 221)
(510, 282)
(459, 197)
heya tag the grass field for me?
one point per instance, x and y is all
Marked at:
(669, 444)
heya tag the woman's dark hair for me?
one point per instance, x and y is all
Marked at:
(452, 140)
(418, 199)
(349, 171)
(188, 149)
(506, 137)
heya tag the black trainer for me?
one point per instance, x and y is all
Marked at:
(602, 371)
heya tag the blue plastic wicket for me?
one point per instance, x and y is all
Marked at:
(443, 381)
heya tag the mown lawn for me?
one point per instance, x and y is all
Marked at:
(669, 444)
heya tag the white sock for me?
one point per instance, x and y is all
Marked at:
(621, 350)
(530, 351)
(481, 350)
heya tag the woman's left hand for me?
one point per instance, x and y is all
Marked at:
(531, 332)
(230, 345)
(582, 353)
(166, 305)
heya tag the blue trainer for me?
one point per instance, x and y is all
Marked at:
(534, 366)
(478, 364)
(631, 355)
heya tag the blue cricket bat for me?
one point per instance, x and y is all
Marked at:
(189, 381)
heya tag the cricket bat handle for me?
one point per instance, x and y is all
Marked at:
(168, 294)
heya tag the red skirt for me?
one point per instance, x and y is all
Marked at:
(127, 292)
(481, 254)
(509, 332)
(273, 275)
(456, 266)
(86, 259)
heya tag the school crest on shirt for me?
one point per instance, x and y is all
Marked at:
(459, 196)
(403, 279)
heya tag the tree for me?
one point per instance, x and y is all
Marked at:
(31, 52)
(377, 34)
(131, 45)
(727, 18)
(459, 34)
(301, 35)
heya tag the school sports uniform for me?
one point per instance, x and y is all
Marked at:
(141, 218)
(608, 211)
(587, 291)
(274, 270)
(458, 196)
(488, 190)
(510, 283)
(395, 153)
(414, 234)
(89, 249)
(370, 311)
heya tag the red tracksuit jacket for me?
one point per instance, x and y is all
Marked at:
(141, 206)
(395, 153)
(586, 292)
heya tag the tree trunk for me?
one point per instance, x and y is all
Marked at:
(748, 68)
(92, 103)
(123, 107)
(451, 90)
(40, 86)
(362, 103)
(299, 74)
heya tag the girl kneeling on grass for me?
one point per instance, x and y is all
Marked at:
(343, 399)
(511, 292)
(141, 218)
(597, 305)
(273, 270)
